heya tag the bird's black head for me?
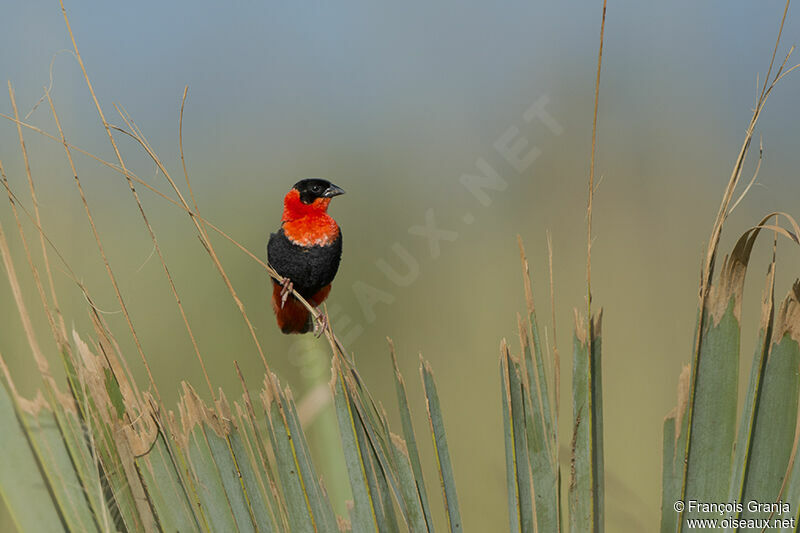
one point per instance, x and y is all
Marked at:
(312, 188)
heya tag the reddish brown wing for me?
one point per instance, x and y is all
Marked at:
(293, 317)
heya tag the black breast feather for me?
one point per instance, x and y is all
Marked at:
(309, 267)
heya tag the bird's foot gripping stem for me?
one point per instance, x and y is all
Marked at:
(286, 289)
(320, 324)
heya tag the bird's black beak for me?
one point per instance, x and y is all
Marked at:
(332, 191)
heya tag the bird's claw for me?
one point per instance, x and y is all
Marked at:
(320, 325)
(287, 288)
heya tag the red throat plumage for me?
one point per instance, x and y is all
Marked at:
(308, 224)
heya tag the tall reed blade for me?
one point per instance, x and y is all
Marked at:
(586, 485)
(442, 450)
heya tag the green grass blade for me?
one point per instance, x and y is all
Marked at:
(201, 444)
(792, 492)
(586, 480)
(166, 489)
(408, 485)
(49, 446)
(581, 507)
(363, 515)
(324, 517)
(747, 426)
(670, 479)
(598, 439)
(534, 362)
(675, 426)
(378, 488)
(248, 468)
(266, 471)
(541, 444)
(21, 478)
(371, 418)
(297, 505)
(258, 492)
(713, 421)
(223, 458)
(82, 459)
(512, 490)
(73, 426)
(713, 394)
(440, 444)
(105, 413)
(410, 439)
(520, 416)
(210, 489)
(775, 422)
(81, 506)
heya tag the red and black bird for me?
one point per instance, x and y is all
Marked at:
(305, 251)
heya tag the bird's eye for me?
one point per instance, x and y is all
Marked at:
(315, 188)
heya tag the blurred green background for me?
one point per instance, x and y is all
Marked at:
(395, 104)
